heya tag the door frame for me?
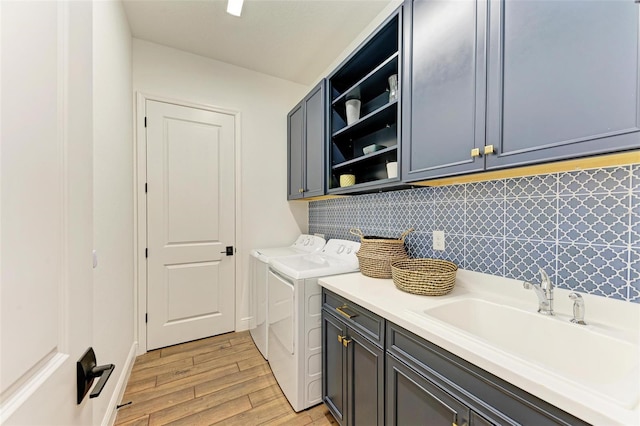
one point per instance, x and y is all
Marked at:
(140, 207)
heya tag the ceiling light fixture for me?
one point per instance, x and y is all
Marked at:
(234, 7)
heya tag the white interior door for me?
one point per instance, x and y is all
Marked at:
(190, 222)
(46, 210)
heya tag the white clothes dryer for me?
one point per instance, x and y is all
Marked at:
(258, 270)
(295, 333)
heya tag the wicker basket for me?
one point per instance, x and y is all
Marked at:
(429, 277)
(377, 253)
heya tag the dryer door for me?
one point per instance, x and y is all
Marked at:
(281, 311)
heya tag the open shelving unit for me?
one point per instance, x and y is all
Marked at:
(364, 75)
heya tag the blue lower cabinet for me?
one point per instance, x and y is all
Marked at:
(353, 366)
(376, 373)
(446, 389)
(411, 397)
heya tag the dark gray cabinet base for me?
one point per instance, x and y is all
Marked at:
(413, 381)
(353, 364)
(486, 398)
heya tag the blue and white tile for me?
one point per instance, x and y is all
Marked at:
(635, 178)
(524, 259)
(419, 245)
(454, 250)
(634, 276)
(595, 219)
(422, 195)
(531, 218)
(595, 181)
(449, 217)
(635, 220)
(401, 197)
(373, 213)
(593, 269)
(448, 193)
(532, 186)
(484, 255)
(401, 217)
(485, 190)
(423, 217)
(485, 217)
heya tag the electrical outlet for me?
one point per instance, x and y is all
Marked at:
(438, 240)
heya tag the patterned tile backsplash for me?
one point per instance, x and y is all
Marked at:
(582, 227)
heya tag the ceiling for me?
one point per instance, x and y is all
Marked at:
(291, 39)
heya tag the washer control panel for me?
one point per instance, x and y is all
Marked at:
(309, 243)
(341, 248)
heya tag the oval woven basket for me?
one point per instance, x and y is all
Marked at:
(377, 253)
(427, 277)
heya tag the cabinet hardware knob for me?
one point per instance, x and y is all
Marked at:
(345, 342)
(475, 152)
(488, 149)
(301, 190)
(340, 338)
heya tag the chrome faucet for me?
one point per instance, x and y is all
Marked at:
(544, 291)
(578, 309)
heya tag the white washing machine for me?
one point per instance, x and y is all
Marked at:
(258, 270)
(295, 333)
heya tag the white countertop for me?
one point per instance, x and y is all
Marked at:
(621, 319)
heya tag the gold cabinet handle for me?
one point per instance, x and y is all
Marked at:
(475, 152)
(345, 342)
(301, 190)
(340, 338)
(348, 315)
(488, 149)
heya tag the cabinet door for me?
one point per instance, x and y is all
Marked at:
(314, 170)
(295, 140)
(413, 399)
(476, 419)
(443, 87)
(365, 386)
(563, 79)
(334, 366)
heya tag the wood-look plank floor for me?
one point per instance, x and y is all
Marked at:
(221, 380)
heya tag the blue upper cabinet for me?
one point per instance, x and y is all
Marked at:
(563, 79)
(497, 84)
(443, 88)
(305, 146)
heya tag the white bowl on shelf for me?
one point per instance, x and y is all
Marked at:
(372, 148)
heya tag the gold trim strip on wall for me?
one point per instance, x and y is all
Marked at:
(611, 160)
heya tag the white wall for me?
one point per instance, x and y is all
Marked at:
(113, 279)
(266, 218)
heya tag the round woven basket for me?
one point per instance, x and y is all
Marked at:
(428, 277)
(377, 253)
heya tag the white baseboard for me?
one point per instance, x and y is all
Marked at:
(243, 324)
(110, 416)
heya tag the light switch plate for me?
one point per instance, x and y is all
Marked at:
(438, 240)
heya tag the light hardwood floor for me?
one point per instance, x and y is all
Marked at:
(222, 380)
